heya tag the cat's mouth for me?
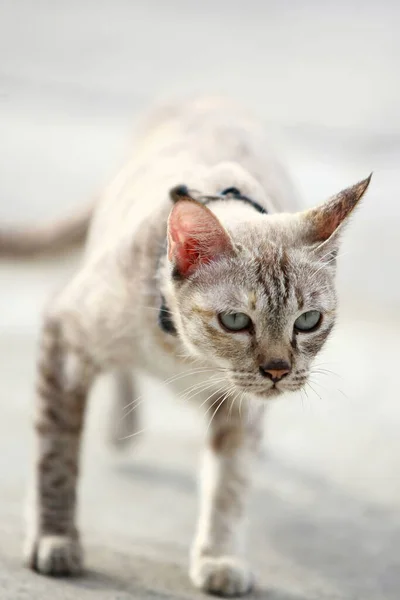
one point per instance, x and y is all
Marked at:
(255, 388)
(249, 382)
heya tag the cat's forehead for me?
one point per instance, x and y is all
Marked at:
(267, 234)
(273, 277)
(271, 247)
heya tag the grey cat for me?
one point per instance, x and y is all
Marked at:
(219, 284)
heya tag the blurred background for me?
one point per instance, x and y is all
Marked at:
(324, 77)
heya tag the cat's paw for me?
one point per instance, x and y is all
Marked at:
(221, 575)
(54, 555)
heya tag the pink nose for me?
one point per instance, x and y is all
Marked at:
(275, 369)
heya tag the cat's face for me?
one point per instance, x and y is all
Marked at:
(263, 318)
(257, 299)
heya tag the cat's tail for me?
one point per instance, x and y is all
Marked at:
(48, 238)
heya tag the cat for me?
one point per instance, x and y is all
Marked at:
(200, 268)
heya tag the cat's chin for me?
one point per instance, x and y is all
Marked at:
(264, 395)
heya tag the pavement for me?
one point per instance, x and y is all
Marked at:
(325, 516)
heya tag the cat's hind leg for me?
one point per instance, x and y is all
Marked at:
(217, 563)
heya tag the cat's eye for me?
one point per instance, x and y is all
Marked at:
(308, 321)
(235, 321)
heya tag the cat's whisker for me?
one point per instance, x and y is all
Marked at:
(315, 392)
(135, 403)
(236, 397)
(195, 371)
(203, 385)
(156, 308)
(337, 256)
(186, 357)
(203, 388)
(127, 437)
(131, 403)
(210, 396)
(240, 406)
(316, 382)
(217, 409)
(325, 264)
(211, 405)
(317, 370)
(321, 364)
(216, 400)
(231, 407)
(171, 380)
(303, 391)
(198, 386)
(326, 372)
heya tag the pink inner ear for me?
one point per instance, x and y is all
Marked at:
(195, 237)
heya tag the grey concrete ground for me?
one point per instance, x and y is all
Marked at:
(73, 75)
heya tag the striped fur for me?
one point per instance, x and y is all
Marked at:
(278, 266)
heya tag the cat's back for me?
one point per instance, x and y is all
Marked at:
(180, 143)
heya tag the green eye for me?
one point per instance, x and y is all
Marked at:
(235, 321)
(308, 321)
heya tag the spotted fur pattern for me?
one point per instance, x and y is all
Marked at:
(272, 267)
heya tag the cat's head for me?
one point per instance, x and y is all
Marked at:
(256, 296)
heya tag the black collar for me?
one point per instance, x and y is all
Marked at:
(164, 316)
(233, 193)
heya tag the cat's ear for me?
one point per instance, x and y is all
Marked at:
(324, 223)
(195, 236)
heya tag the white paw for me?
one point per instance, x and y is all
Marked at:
(222, 575)
(54, 555)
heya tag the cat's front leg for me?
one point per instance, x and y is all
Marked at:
(217, 562)
(64, 376)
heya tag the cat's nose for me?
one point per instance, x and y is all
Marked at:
(275, 369)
